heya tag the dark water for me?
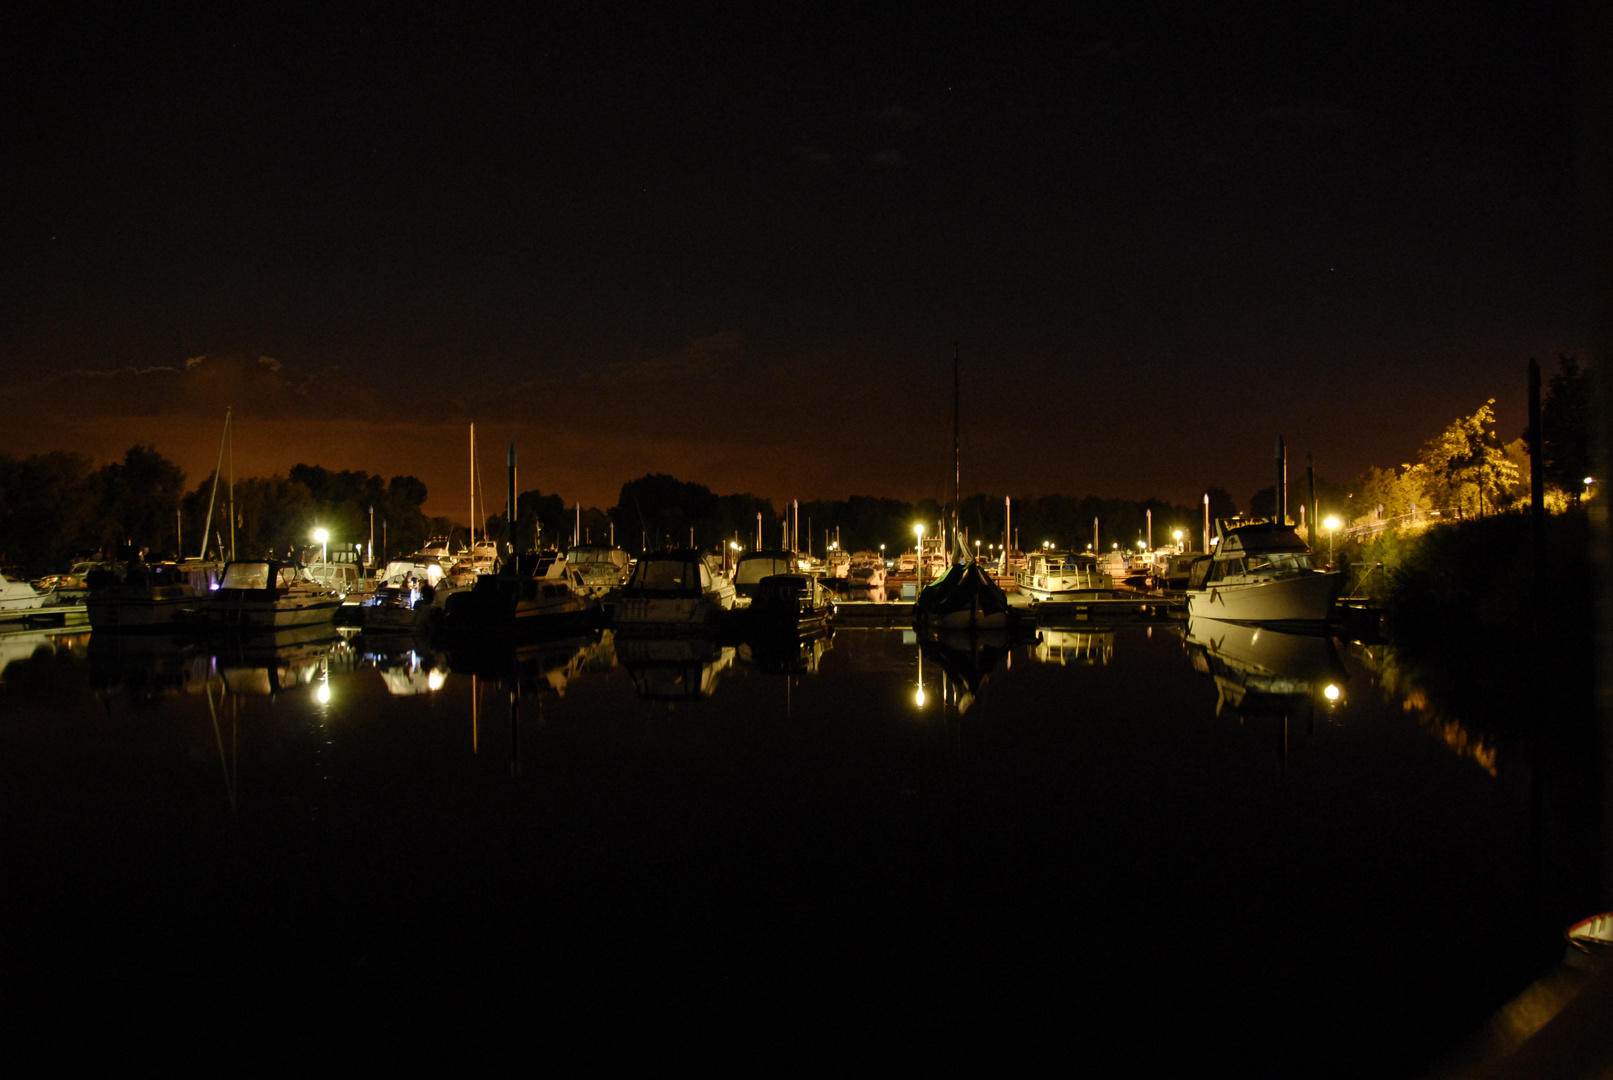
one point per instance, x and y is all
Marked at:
(1111, 850)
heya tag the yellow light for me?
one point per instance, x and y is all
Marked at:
(1330, 523)
(435, 678)
(324, 693)
(918, 698)
(321, 535)
(1330, 692)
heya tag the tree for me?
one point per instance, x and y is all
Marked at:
(1468, 472)
(1568, 427)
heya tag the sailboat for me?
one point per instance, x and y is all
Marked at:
(965, 597)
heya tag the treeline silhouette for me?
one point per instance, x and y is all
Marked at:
(58, 507)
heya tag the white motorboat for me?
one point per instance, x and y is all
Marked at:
(408, 594)
(1064, 575)
(673, 589)
(603, 568)
(19, 596)
(266, 594)
(1261, 572)
(867, 570)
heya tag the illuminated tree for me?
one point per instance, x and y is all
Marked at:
(1467, 470)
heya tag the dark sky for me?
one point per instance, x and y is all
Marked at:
(737, 243)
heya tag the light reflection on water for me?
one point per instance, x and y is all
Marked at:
(1076, 821)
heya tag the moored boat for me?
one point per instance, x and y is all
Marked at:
(790, 603)
(754, 566)
(1261, 572)
(266, 594)
(138, 595)
(964, 598)
(1064, 575)
(673, 589)
(534, 592)
(19, 596)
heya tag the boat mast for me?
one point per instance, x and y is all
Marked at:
(218, 468)
(473, 489)
(957, 468)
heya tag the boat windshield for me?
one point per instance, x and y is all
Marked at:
(667, 575)
(246, 575)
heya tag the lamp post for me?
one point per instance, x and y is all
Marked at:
(1178, 535)
(322, 536)
(1331, 523)
(918, 545)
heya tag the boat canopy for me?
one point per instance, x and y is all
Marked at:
(598, 554)
(1264, 537)
(428, 570)
(756, 565)
(670, 574)
(258, 575)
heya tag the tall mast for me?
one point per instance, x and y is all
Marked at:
(473, 489)
(207, 529)
(957, 468)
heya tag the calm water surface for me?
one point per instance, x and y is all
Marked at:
(1109, 843)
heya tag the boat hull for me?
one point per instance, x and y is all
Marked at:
(1301, 598)
(158, 608)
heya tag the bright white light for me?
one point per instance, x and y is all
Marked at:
(1589, 480)
(1330, 523)
(436, 678)
(1331, 692)
(1178, 535)
(918, 530)
(324, 693)
(918, 698)
(321, 535)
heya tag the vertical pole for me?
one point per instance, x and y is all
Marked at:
(509, 505)
(1537, 496)
(1310, 484)
(1096, 548)
(230, 432)
(1280, 509)
(473, 490)
(369, 556)
(1008, 532)
(1150, 538)
(1206, 523)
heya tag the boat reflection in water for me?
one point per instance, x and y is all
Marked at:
(673, 668)
(407, 662)
(1260, 670)
(965, 659)
(276, 661)
(787, 654)
(1067, 647)
(534, 665)
(148, 667)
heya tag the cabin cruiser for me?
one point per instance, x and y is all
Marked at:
(790, 604)
(21, 596)
(674, 589)
(1261, 572)
(867, 570)
(754, 566)
(139, 595)
(964, 598)
(837, 564)
(603, 568)
(409, 594)
(674, 668)
(1173, 569)
(265, 594)
(1064, 575)
(533, 591)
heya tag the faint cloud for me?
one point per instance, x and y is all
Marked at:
(700, 360)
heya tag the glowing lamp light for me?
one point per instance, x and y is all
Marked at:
(324, 693)
(322, 536)
(1331, 692)
(436, 678)
(918, 697)
(1330, 523)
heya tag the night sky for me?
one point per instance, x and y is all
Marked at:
(737, 244)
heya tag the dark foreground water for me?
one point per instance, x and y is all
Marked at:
(1116, 852)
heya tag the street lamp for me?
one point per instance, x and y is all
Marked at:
(918, 547)
(1331, 524)
(1178, 535)
(322, 536)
